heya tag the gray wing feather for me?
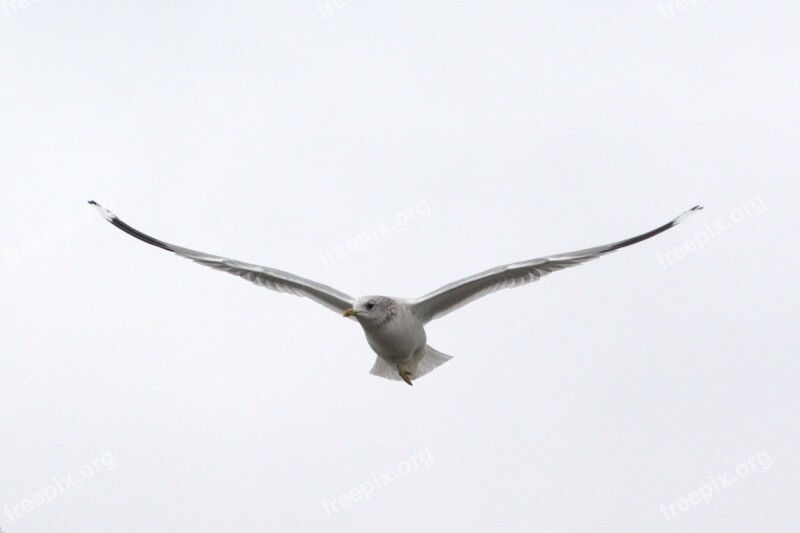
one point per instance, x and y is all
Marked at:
(459, 293)
(270, 278)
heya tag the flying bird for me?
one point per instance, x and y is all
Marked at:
(395, 327)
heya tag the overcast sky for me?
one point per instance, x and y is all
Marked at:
(389, 148)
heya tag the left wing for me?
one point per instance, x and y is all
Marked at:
(459, 293)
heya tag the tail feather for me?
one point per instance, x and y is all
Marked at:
(419, 366)
(430, 359)
(384, 370)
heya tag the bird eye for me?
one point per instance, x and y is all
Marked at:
(370, 305)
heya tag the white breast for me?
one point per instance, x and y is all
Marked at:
(400, 339)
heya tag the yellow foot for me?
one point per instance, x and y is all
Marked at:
(405, 374)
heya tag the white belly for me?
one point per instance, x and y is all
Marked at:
(398, 341)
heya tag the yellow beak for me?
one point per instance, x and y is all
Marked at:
(350, 312)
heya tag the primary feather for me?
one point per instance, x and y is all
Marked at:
(459, 293)
(270, 278)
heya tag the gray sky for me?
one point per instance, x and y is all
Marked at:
(651, 390)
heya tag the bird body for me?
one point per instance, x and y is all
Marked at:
(395, 327)
(397, 335)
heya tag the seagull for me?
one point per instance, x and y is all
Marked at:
(395, 327)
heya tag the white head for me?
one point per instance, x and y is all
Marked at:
(373, 311)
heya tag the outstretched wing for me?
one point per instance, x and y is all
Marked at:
(270, 278)
(457, 294)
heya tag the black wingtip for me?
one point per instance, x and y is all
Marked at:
(680, 218)
(111, 217)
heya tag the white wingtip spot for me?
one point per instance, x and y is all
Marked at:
(688, 213)
(108, 215)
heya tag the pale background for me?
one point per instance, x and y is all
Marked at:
(274, 132)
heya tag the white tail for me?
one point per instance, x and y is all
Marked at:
(419, 366)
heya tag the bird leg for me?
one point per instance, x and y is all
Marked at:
(405, 374)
